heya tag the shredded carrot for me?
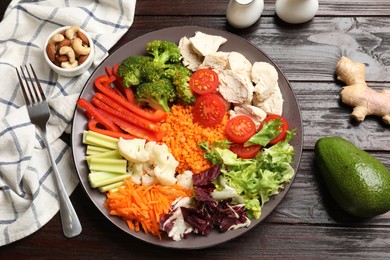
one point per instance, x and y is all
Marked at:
(142, 207)
(183, 136)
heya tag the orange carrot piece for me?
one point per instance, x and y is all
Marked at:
(148, 204)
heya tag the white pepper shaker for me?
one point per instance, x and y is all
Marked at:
(243, 13)
(296, 11)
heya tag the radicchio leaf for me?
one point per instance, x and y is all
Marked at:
(209, 213)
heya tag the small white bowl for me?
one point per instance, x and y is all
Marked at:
(70, 72)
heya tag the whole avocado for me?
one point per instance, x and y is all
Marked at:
(357, 181)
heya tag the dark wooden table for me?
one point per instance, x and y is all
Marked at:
(307, 224)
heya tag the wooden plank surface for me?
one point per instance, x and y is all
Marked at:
(218, 7)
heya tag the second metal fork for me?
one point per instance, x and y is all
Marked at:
(38, 110)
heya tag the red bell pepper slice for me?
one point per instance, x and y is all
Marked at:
(107, 104)
(155, 116)
(133, 129)
(95, 113)
(93, 126)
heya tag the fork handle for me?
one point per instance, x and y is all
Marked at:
(71, 225)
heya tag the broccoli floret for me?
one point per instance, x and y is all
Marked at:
(157, 94)
(132, 68)
(180, 77)
(163, 52)
(151, 72)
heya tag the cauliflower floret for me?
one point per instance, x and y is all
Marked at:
(133, 150)
(158, 153)
(149, 162)
(165, 171)
(148, 180)
(185, 179)
(136, 171)
(166, 176)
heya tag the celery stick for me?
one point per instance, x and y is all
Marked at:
(116, 189)
(98, 179)
(93, 138)
(108, 165)
(111, 187)
(92, 149)
(113, 154)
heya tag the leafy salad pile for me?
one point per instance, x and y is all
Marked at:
(234, 190)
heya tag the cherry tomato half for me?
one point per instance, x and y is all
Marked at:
(209, 110)
(204, 81)
(248, 152)
(283, 127)
(240, 128)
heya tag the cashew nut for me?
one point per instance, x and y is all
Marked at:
(68, 65)
(56, 38)
(78, 47)
(71, 32)
(68, 51)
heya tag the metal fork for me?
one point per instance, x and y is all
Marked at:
(39, 112)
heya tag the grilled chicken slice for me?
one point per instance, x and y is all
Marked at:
(273, 104)
(190, 58)
(253, 112)
(205, 44)
(239, 63)
(216, 61)
(265, 77)
(234, 87)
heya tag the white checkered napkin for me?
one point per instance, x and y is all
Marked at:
(28, 197)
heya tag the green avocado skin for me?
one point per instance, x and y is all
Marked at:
(357, 181)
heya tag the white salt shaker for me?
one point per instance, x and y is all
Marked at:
(243, 13)
(296, 11)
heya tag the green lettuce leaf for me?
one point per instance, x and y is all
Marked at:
(254, 180)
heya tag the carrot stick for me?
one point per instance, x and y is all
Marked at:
(155, 116)
(94, 112)
(147, 204)
(107, 104)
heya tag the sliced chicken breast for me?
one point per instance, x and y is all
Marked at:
(190, 58)
(273, 104)
(253, 112)
(239, 63)
(205, 44)
(265, 77)
(217, 60)
(234, 87)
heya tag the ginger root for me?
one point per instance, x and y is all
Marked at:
(365, 100)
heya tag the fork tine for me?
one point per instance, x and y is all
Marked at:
(33, 87)
(42, 95)
(30, 86)
(25, 95)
